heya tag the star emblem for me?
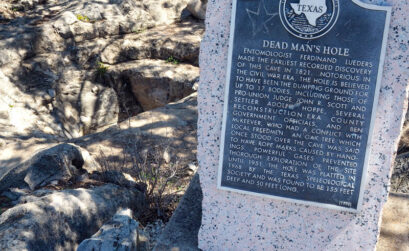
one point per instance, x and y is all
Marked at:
(260, 18)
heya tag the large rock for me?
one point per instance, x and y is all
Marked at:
(64, 97)
(174, 123)
(60, 162)
(61, 220)
(121, 233)
(13, 153)
(23, 114)
(84, 106)
(198, 8)
(179, 40)
(109, 18)
(56, 49)
(47, 40)
(155, 83)
(172, 126)
(14, 47)
(87, 54)
(62, 24)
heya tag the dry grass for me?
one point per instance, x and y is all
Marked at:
(155, 166)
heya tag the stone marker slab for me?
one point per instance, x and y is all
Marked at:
(301, 96)
(235, 221)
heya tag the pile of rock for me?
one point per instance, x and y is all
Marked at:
(76, 67)
(80, 82)
(44, 186)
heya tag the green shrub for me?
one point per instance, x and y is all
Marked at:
(172, 60)
(101, 68)
(139, 31)
(83, 18)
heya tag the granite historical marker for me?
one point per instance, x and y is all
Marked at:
(302, 85)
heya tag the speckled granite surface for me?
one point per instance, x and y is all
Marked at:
(234, 221)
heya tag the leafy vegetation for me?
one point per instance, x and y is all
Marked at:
(83, 18)
(101, 68)
(139, 31)
(172, 60)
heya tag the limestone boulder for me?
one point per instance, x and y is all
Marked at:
(165, 12)
(198, 8)
(23, 195)
(60, 162)
(122, 232)
(47, 40)
(109, 18)
(87, 54)
(62, 24)
(39, 75)
(21, 115)
(55, 47)
(84, 106)
(172, 126)
(14, 47)
(84, 31)
(61, 220)
(155, 83)
(180, 41)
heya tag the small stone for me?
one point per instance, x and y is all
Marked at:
(193, 167)
(166, 156)
(95, 89)
(51, 92)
